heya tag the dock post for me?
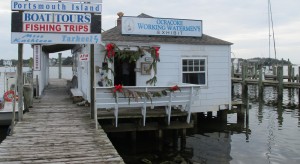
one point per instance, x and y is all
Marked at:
(222, 115)
(232, 70)
(59, 65)
(159, 136)
(92, 80)
(209, 115)
(183, 139)
(175, 138)
(293, 75)
(280, 82)
(260, 84)
(274, 67)
(20, 82)
(289, 73)
(299, 88)
(244, 76)
(37, 87)
(299, 74)
(255, 70)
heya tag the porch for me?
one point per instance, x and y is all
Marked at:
(159, 105)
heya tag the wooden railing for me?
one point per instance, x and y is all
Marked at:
(107, 98)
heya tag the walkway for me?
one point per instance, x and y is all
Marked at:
(57, 131)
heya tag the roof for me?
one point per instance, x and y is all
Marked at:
(57, 47)
(115, 35)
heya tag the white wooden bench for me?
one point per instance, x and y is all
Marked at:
(105, 99)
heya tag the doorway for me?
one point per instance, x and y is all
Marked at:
(124, 72)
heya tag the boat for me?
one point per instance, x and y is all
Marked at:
(7, 102)
(6, 112)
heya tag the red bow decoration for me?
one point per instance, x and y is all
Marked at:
(156, 52)
(175, 88)
(110, 49)
(118, 88)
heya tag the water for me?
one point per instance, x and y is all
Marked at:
(271, 136)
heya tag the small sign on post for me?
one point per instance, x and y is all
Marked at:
(84, 57)
(36, 57)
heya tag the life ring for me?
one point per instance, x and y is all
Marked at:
(9, 95)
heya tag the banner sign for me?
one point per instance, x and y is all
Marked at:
(37, 57)
(84, 57)
(56, 6)
(54, 38)
(56, 22)
(56, 28)
(161, 26)
(42, 17)
(44, 22)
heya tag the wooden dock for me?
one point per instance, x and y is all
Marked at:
(266, 82)
(57, 131)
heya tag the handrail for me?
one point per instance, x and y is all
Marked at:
(106, 98)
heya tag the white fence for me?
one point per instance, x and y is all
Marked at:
(143, 97)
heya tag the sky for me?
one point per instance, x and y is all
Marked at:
(241, 22)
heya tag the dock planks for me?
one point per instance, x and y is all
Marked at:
(57, 131)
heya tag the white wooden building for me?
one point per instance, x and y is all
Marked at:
(204, 61)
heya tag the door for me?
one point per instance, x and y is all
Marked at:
(124, 72)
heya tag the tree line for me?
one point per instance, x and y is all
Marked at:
(29, 62)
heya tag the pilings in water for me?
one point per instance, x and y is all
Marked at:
(299, 88)
(248, 76)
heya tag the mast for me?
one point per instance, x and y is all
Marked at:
(269, 29)
(271, 25)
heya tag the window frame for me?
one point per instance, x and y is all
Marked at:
(205, 67)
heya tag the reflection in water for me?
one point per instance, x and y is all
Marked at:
(211, 147)
(267, 132)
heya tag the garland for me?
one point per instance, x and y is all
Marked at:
(112, 51)
(138, 94)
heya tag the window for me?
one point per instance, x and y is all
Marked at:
(194, 71)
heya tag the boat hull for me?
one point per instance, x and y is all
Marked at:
(6, 117)
(6, 113)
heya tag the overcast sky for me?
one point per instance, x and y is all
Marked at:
(241, 22)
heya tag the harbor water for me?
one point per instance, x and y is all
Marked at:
(270, 136)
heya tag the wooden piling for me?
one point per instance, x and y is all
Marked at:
(274, 68)
(244, 76)
(159, 136)
(175, 138)
(260, 83)
(183, 139)
(59, 65)
(209, 115)
(92, 80)
(280, 82)
(289, 73)
(232, 70)
(255, 70)
(299, 88)
(222, 115)
(293, 75)
(20, 81)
